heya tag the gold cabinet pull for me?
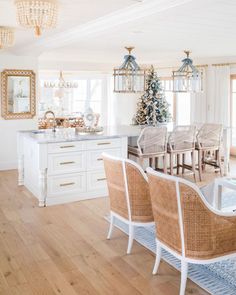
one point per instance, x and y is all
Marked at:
(103, 143)
(67, 146)
(67, 184)
(100, 159)
(101, 179)
(67, 163)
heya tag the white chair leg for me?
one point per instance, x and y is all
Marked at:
(184, 276)
(131, 238)
(158, 258)
(111, 226)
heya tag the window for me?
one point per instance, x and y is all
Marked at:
(180, 106)
(233, 114)
(91, 93)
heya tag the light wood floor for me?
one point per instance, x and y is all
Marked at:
(63, 250)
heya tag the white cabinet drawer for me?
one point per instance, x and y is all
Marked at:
(66, 184)
(104, 144)
(96, 180)
(95, 161)
(66, 163)
(65, 147)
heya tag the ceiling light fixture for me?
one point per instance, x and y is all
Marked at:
(6, 37)
(188, 78)
(37, 14)
(129, 77)
(61, 83)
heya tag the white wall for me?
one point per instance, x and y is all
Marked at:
(123, 108)
(9, 128)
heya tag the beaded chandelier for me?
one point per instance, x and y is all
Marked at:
(6, 37)
(61, 83)
(37, 14)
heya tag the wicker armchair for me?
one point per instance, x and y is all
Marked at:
(208, 146)
(187, 226)
(129, 195)
(151, 144)
(181, 142)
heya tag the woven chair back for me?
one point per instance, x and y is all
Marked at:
(139, 196)
(116, 186)
(128, 189)
(165, 211)
(210, 135)
(182, 138)
(152, 140)
(206, 235)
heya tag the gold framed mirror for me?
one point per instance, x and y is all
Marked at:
(18, 89)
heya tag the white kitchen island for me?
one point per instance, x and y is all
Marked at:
(66, 166)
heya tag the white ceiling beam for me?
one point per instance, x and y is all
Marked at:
(98, 26)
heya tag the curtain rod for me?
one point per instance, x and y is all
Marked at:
(173, 68)
(224, 64)
(202, 66)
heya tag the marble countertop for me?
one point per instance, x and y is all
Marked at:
(70, 134)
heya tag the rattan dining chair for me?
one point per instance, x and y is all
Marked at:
(152, 145)
(208, 145)
(181, 142)
(187, 226)
(129, 195)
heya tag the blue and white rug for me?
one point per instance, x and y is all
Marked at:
(216, 278)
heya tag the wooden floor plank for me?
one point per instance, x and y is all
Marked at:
(80, 283)
(63, 250)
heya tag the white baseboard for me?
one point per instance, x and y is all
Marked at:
(8, 166)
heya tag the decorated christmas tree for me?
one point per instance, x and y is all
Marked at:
(152, 106)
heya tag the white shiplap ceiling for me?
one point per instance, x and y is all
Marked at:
(71, 13)
(97, 30)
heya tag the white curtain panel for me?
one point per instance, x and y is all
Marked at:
(218, 95)
(199, 103)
